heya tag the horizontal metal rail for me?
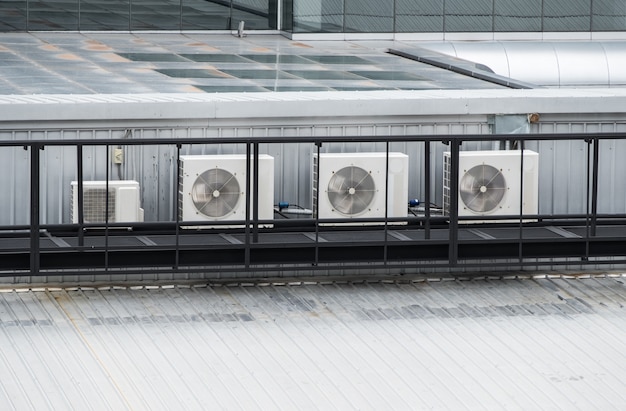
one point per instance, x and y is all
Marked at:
(309, 139)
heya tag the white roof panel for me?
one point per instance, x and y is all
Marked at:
(542, 343)
(308, 105)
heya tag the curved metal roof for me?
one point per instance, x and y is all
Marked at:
(556, 64)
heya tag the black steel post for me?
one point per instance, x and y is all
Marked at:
(427, 189)
(453, 251)
(106, 209)
(386, 229)
(521, 203)
(255, 196)
(588, 200)
(80, 191)
(177, 208)
(594, 188)
(247, 226)
(35, 168)
(316, 206)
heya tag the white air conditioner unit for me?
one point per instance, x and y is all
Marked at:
(352, 185)
(213, 187)
(489, 183)
(123, 202)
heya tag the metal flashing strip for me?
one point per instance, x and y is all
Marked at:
(562, 232)
(297, 106)
(481, 234)
(146, 240)
(399, 236)
(57, 241)
(459, 66)
(312, 236)
(231, 239)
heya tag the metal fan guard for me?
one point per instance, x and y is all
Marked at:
(351, 190)
(215, 193)
(482, 188)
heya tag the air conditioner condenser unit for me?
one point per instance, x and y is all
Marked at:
(213, 187)
(353, 185)
(123, 202)
(490, 183)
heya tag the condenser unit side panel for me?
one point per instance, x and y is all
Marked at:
(531, 182)
(126, 205)
(398, 193)
(266, 187)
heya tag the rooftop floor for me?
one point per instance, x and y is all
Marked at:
(107, 63)
(535, 343)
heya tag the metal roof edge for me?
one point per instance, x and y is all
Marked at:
(308, 104)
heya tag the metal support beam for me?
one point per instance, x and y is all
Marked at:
(427, 189)
(35, 168)
(594, 186)
(177, 207)
(255, 195)
(248, 205)
(80, 192)
(453, 251)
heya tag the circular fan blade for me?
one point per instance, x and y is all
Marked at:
(215, 193)
(482, 188)
(351, 190)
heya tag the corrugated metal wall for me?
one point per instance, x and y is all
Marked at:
(563, 172)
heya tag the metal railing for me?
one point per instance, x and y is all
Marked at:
(436, 241)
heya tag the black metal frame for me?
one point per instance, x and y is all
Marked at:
(422, 242)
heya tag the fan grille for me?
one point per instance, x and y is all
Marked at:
(351, 190)
(215, 193)
(482, 188)
(95, 205)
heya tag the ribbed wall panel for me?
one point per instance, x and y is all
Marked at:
(562, 165)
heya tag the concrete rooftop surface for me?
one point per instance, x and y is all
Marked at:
(109, 63)
(553, 343)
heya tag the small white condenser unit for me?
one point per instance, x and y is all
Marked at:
(123, 202)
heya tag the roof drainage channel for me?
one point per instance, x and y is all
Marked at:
(459, 66)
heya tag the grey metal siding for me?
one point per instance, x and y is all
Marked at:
(562, 164)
